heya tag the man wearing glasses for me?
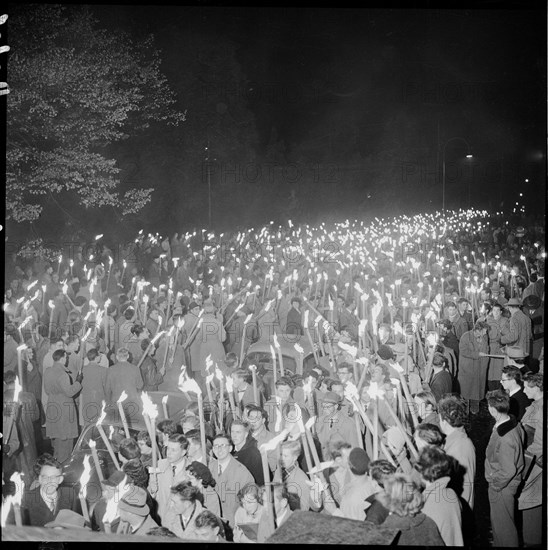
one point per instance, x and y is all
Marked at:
(511, 384)
(41, 504)
(230, 475)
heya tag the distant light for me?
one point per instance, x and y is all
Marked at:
(526, 181)
(469, 156)
(521, 194)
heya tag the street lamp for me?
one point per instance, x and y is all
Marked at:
(468, 156)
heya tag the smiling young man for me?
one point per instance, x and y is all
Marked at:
(245, 449)
(229, 474)
(41, 504)
(171, 470)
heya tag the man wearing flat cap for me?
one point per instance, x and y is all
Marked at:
(519, 332)
(334, 424)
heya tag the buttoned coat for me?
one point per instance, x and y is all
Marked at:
(235, 475)
(61, 413)
(519, 332)
(472, 367)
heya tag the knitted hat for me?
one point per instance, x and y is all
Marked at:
(358, 461)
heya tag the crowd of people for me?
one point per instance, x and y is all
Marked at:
(402, 330)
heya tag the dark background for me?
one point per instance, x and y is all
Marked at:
(333, 113)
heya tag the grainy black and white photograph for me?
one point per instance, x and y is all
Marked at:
(274, 274)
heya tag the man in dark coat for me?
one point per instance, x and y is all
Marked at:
(124, 376)
(440, 381)
(511, 384)
(504, 465)
(245, 449)
(61, 413)
(41, 504)
(27, 414)
(294, 322)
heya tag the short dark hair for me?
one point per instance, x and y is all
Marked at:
(450, 304)
(186, 491)
(129, 448)
(499, 400)
(92, 354)
(250, 489)
(9, 377)
(202, 472)
(251, 407)
(161, 532)
(285, 381)
(430, 433)
(512, 372)
(168, 427)
(434, 463)
(46, 459)
(209, 519)
(129, 313)
(452, 410)
(179, 438)
(58, 354)
(534, 380)
(381, 469)
(144, 436)
(481, 325)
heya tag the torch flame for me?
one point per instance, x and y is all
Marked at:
(86, 475)
(229, 384)
(149, 408)
(164, 399)
(17, 390)
(156, 338)
(102, 416)
(123, 397)
(189, 385)
(19, 487)
(276, 343)
(274, 442)
(375, 391)
(310, 423)
(298, 349)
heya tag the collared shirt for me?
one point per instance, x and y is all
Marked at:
(50, 500)
(179, 467)
(515, 390)
(286, 472)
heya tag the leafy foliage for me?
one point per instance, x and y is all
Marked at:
(75, 89)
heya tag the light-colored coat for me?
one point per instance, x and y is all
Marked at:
(472, 367)
(235, 475)
(460, 447)
(443, 506)
(519, 332)
(496, 329)
(61, 413)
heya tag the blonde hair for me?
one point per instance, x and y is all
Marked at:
(401, 495)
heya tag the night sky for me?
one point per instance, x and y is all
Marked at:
(359, 103)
